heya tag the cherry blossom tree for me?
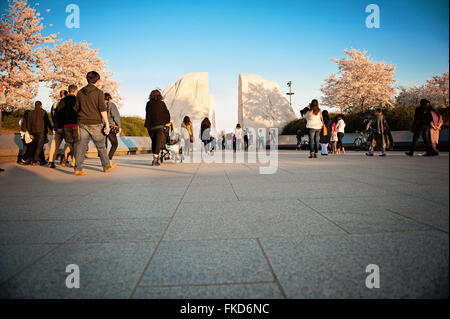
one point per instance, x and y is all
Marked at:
(360, 84)
(21, 54)
(435, 90)
(68, 63)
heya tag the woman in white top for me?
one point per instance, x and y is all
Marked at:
(314, 124)
(340, 127)
(239, 135)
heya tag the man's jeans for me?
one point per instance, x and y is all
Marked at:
(94, 132)
(54, 147)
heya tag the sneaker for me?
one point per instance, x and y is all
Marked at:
(156, 162)
(383, 155)
(51, 165)
(80, 173)
(369, 154)
(409, 154)
(113, 166)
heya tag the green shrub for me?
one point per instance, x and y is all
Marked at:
(131, 126)
(10, 120)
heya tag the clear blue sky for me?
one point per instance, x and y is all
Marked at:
(149, 44)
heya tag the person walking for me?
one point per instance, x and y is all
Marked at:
(334, 137)
(67, 119)
(37, 124)
(380, 132)
(261, 140)
(245, 140)
(340, 127)
(239, 134)
(299, 139)
(223, 140)
(205, 135)
(421, 128)
(91, 110)
(187, 133)
(156, 117)
(58, 134)
(314, 124)
(435, 127)
(325, 133)
(25, 138)
(115, 125)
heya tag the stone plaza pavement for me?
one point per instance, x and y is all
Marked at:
(225, 231)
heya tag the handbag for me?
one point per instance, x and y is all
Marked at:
(114, 128)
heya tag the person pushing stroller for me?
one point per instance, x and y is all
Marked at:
(156, 118)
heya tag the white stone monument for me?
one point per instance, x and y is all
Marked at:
(189, 96)
(261, 104)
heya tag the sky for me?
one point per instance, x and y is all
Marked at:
(150, 44)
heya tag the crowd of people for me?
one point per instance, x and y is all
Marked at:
(322, 133)
(77, 118)
(329, 136)
(89, 114)
(160, 129)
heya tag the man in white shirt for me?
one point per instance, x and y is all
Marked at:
(340, 127)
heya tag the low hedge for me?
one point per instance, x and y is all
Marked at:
(399, 119)
(131, 126)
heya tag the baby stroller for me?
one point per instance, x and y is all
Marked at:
(172, 150)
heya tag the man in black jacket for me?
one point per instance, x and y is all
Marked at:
(91, 111)
(37, 124)
(157, 116)
(421, 127)
(57, 133)
(67, 119)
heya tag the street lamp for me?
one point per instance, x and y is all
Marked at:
(289, 84)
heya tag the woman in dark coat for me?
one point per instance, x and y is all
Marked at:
(325, 139)
(157, 116)
(380, 134)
